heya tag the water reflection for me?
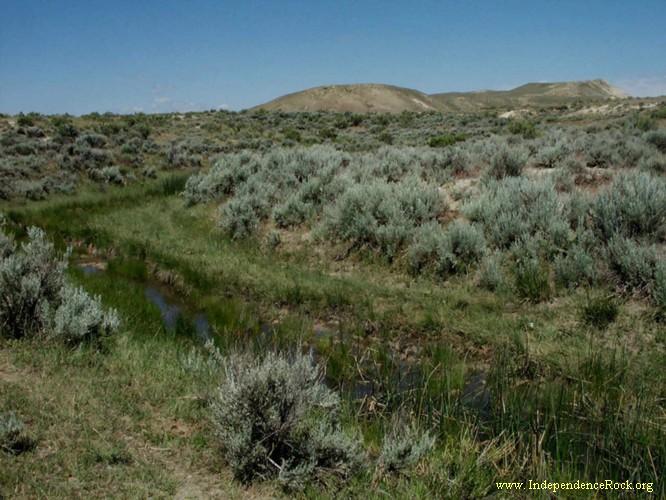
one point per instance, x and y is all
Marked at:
(172, 313)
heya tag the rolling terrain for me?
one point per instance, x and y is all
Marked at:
(440, 304)
(373, 97)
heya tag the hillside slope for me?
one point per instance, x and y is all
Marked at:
(529, 95)
(357, 98)
(372, 97)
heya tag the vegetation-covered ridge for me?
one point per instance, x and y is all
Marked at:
(474, 206)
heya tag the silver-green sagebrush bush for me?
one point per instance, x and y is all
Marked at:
(654, 162)
(6, 242)
(180, 156)
(634, 264)
(446, 251)
(516, 208)
(550, 156)
(31, 277)
(368, 200)
(277, 420)
(465, 245)
(402, 448)
(32, 190)
(382, 215)
(13, 438)
(81, 316)
(220, 180)
(292, 212)
(490, 274)
(458, 161)
(576, 210)
(36, 299)
(428, 243)
(658, 139)
(110, 175)
(575, 267)
(239, 218)
(10, 428)
(92, 140)
(273, 240)
(600, 151)
(508, 162)
(634, 206)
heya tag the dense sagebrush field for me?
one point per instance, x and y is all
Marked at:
(265, 304)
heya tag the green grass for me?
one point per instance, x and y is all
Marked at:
(600, 311)
(123, 421)
(567, 401)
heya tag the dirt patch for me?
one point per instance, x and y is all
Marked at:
(196, 483)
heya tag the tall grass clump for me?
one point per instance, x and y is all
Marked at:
(173, 184)
(603, 423)
(531, 272)
(600, 310)
(532, 279)
(659, 289)
(277, 420)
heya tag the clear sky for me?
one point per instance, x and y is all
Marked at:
(79, 56)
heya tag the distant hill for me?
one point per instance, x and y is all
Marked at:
(373, 97)
(357, 98)
(529, 95)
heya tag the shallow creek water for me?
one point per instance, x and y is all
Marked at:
(174, 310)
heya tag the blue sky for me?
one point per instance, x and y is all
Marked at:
(148, 55)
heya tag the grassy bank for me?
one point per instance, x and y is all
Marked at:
(513, 390)
(120, 420)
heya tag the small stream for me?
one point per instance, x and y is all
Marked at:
(175, 315)
(90, 268)
(173, 312)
